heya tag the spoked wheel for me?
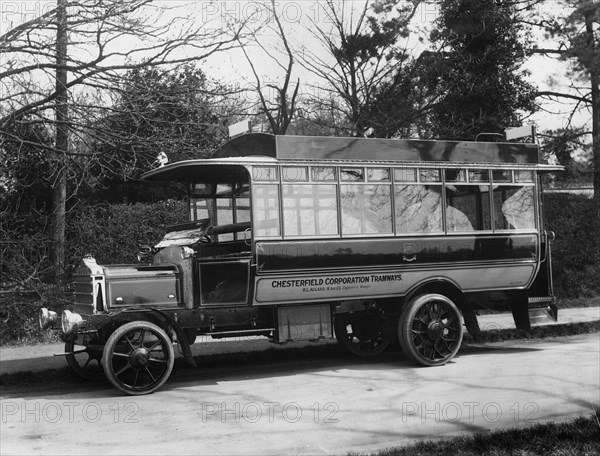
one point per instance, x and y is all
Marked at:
(84, 361)
(361, 334)
(138, 358)
(430, 329)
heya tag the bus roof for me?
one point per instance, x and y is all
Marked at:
(259, 149)
(376, 149)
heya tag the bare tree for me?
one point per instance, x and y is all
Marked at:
(360, 51)
(578, 37)
(281, 110)
(40, 83)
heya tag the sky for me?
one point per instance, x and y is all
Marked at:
(299, 17)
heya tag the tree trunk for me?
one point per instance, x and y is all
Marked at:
(595, 79)
(59, 193)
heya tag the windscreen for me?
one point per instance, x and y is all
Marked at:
(223, 200)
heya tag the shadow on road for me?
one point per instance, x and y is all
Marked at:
(232, 366)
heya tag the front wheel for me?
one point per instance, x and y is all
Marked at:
(430, 329)
(138, 358)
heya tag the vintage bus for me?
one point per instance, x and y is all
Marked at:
(370, 241)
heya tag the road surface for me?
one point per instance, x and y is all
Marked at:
(320, 406)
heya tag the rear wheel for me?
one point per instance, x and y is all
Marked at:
(362, 334)
(430, 329)
(138, 358)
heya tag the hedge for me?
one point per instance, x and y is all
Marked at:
(112, 234)
(576, 250)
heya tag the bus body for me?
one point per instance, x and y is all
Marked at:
(370, 241)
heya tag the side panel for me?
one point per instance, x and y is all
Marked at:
(300, 255)
(384, 283)
(303, 271)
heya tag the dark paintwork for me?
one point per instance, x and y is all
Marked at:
(198, 171)
(252, 144)
(334, 148)
(305, 147)
(307, 255)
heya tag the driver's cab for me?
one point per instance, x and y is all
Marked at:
(216, 243)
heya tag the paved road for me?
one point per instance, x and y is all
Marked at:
(38, 358)
(321, 406)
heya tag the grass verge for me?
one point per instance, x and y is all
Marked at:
(577, 437)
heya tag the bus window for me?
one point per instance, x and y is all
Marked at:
(265, 173)
(378, 174)
(479, 175)
(223, 203)
(309, 210)
(242, 204)
(352, 174)
(501, 175)
(523, 176)
(514, 207)
(294, 174)
(429, 175)
(225, 216)
(265, 207)
(467, 207)
(201, 209)
(418, 208)
(366, 209)
(324, 174)
(405, 175)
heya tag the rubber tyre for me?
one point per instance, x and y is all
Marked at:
(430, 329)
(138, 358)
(359, 343)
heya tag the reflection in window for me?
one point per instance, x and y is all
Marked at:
(514, 208)
(366, 209)
(378, 174)
(324, 173)
(523, 176)
(294, 173)
(468, 208)
(309, 210)
(265, 173)
(352, 174)
(429, 175)
(265, 207)
(418, 208)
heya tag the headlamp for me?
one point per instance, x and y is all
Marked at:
(47, 318)
(69, 321)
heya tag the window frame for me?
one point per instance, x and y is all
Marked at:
(416, 176)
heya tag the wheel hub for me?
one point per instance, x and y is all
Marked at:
(140, 357)
(435, 330)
